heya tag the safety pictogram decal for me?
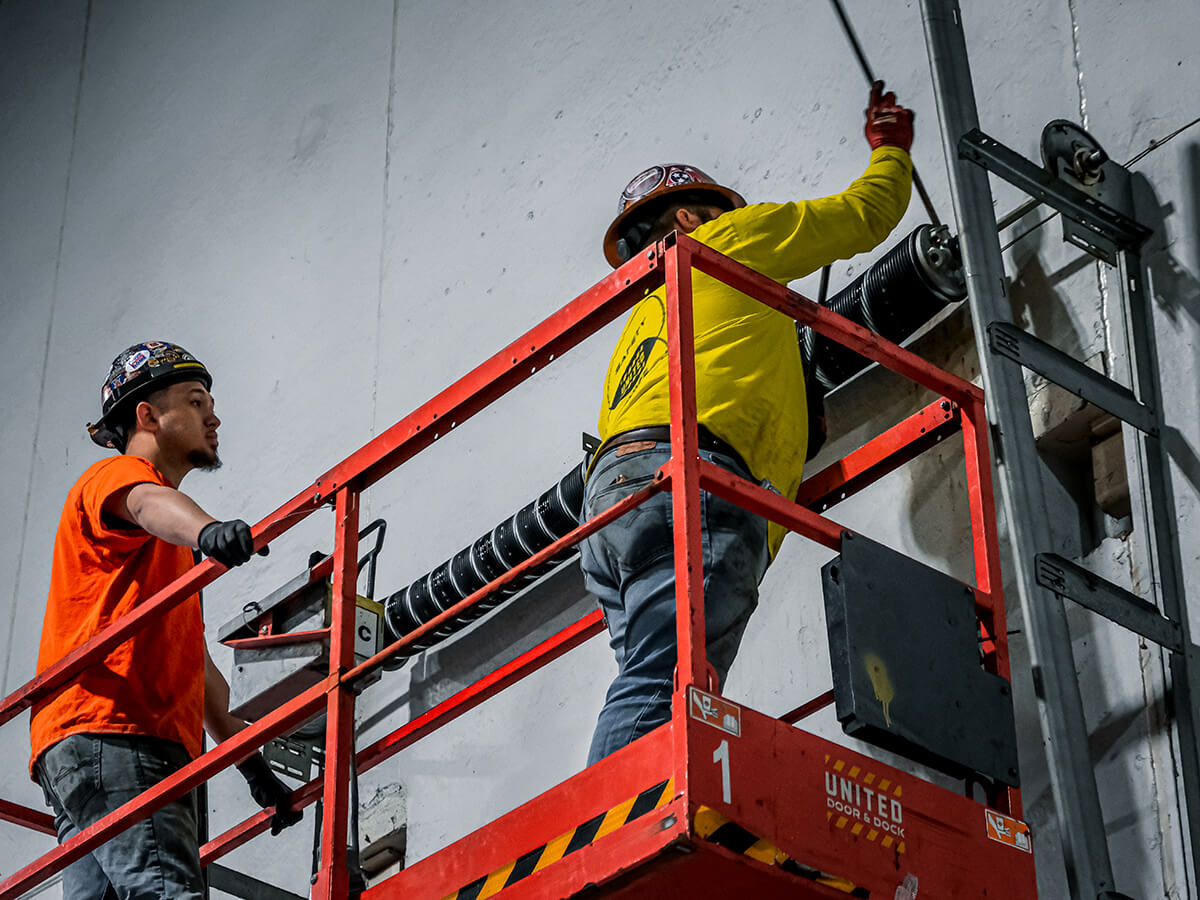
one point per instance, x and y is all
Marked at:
(1008, 830)
(715, 711)
(864, 804)
(566, 843)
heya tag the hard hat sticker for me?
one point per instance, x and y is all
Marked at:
(1007, 830)
(683, 175)
(136, 361)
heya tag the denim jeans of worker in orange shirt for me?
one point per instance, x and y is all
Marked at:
(87, 776)
(630, 567)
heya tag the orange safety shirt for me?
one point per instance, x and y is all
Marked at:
(153, 684)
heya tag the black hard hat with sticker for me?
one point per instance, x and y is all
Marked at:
(136, 372)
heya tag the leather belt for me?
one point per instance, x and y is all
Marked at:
(662, 434)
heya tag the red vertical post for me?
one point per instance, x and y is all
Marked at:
(981, 501)
(332, 883)
(685, 471)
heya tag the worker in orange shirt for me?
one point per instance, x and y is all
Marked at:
(750, 400)
(136, 717)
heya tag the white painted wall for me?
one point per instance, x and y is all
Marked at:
(341, 208)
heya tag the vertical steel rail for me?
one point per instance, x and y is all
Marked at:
(1089, 869)
(1156, 519)
(332, 882)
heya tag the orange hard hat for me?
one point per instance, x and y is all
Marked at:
(650, 186)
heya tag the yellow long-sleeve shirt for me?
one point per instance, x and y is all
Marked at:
(749, 378)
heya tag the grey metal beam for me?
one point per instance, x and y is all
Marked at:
(1033, 353)
(1112, 601)
(1089, 868)
(1159, 522)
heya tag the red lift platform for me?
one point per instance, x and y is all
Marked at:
(722, 801)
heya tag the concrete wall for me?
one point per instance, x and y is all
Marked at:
(341, 208)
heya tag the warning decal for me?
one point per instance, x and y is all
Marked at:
(715, 711)
(1007, 830)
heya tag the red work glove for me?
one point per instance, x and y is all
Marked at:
(888, 124)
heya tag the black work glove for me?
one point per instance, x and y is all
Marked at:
(268, 791)
(229, 543)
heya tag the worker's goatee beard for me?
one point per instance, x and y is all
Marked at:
(205, 460)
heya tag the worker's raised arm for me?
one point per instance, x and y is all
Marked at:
(867, 211)
(791, 240)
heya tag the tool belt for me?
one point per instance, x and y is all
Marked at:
(662, 434)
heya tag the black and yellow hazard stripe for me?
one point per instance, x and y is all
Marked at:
(714, 827)
(567, 843)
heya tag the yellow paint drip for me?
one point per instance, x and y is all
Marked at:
(885, 692)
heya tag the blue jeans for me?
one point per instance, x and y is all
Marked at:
(630, 566)
(87, 776)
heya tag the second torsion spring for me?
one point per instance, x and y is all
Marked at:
(898, 294)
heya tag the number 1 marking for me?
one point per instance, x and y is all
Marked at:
(721, 755)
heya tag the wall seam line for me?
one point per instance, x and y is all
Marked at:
(37, 422)
(385, 208)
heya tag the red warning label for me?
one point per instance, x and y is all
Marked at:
(717, 712)
(1006, 830)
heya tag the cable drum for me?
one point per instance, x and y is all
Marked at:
(531, 529)
(898, 294)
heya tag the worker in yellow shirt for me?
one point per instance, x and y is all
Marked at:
(750, 402)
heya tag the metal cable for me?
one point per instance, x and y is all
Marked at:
(926, 201)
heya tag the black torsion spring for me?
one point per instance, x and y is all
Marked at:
(898, 294)
(533, 528)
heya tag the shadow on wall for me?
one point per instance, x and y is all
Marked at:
(1037, 305)
(1176, 291)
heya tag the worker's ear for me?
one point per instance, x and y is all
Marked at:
(686, 220)
(146, 416)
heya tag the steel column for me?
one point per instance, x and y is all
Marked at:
(1060, 705)
(1157, 520)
